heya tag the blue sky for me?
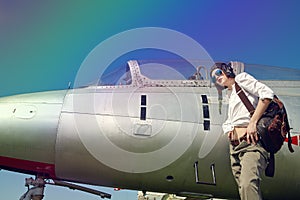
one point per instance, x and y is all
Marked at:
(43, 43)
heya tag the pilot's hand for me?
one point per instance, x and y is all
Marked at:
(252, 136)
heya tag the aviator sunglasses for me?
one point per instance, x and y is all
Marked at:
(216, 73)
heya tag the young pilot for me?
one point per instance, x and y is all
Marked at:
(248, 158)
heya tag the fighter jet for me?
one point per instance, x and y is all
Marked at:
(142, 128)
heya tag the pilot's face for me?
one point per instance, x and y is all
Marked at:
(219, 77)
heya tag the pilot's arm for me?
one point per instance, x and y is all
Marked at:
(252, 135)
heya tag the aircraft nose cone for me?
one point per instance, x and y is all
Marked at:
(28, 128)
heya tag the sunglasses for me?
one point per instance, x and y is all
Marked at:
(216, 73)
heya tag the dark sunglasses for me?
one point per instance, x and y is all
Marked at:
(218, 72)
(215, 74)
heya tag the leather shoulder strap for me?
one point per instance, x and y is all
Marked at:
(244, 98)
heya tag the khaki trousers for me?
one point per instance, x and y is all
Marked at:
(248, 163)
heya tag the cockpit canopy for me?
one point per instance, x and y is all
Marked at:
(146, 70)
(183, 73)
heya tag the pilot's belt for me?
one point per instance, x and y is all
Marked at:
(240, 133)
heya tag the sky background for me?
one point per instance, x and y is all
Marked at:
(43, 43)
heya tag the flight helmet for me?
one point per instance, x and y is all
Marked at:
(226, 68)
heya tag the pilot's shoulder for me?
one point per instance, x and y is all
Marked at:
(243, 76)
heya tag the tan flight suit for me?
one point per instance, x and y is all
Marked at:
(254, 160)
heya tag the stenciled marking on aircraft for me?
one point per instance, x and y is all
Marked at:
(295, 140)
(205, 108)
(143, 113)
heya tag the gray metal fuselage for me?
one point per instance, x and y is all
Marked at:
(141, 138)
